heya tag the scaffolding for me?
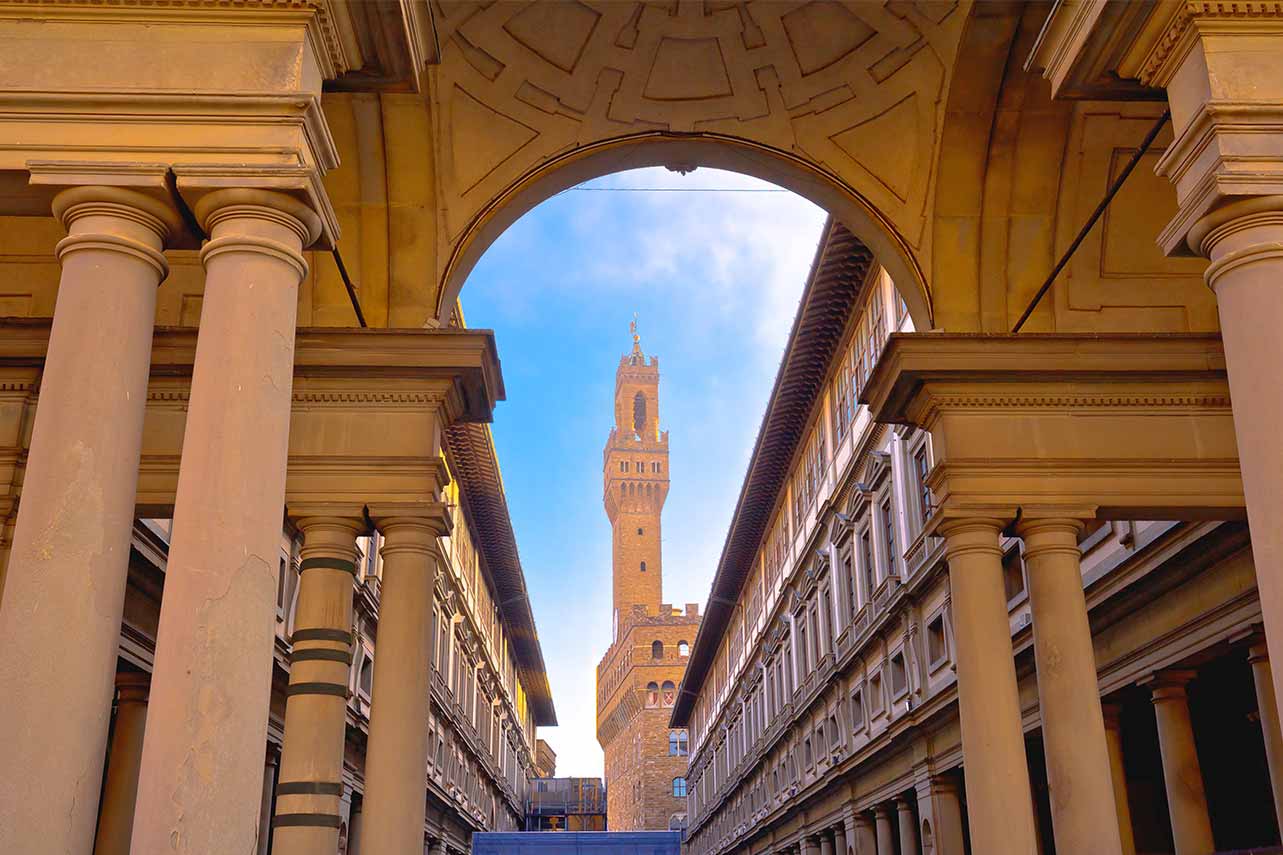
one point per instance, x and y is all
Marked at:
(566, 804)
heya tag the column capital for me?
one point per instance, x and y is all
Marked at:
(132, 687)
(1044, 535)
(882, 810)
(413, 526)
(293, 193)
(117, 219)
(971, 534)
(1169, 684)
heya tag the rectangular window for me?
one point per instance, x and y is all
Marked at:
(803, 649)
(877, 700)
(857, 711)
(899, 676)
(866, 556)
(847, 565)
(1013, 577)
(921, 466)
(888, 536)
(937, 646)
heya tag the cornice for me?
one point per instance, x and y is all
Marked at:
(1162, 46)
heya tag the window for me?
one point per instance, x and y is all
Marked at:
(877, 701)
(677, 744)
(640, 532)
(679, 788)
(807, 758)
(639, 412)
(652, 695)
(937, 646)
(623, 466)
(683, 649)
(367, 676)
(888, 535)
(846, 565)
(921, 466)
(899, 677)
(803, 649)
(669, 696)
(657, 650)
(866, 555)
(1013, 577)
(643, 566)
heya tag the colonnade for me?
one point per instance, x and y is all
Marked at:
(891, 827)
(182, 782)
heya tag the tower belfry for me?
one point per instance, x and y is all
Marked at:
(635, 482)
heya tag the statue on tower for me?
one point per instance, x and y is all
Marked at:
(632, 329)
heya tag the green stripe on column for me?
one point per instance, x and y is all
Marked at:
(309, 788)
(315, 653)
(338, 690)
(313, 820)
(327, 564)
(321, 634)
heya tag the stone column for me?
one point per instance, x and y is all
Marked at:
(116, 818)
(310, 789)
(213, 656)
(810, 844)
(908, 827)
(866, 837)
(355, 820)
(946, 809)
(848, 831)
(1243, 241)
(882, 819)
(271, 761)
(1268, 710)
(993, 741)
(1073, 731)
(1182, 776)
(396, 757)
(1114, 741)
(438, 847)
(65, 582)
(826, 843)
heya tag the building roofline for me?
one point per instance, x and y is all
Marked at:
(838, 272)
(471, 455)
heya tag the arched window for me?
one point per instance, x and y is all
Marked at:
(683, 649)
(652, 695)
(677, 743)
(656, 647)
(643, 569)
(679, 788)
(623, 490)
(639, 412)
(669, 693)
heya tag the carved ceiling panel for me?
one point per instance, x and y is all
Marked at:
(852, 87)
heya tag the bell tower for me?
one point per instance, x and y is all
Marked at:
(635, 483)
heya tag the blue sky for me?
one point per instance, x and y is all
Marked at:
(714, 278)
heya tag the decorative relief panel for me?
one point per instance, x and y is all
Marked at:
(853, 87)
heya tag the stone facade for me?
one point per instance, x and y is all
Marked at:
(637, 678)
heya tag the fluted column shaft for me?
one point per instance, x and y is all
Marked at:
(1182, 774)
(1266, 704)
(1244, 241)
(1083, 812)
(310, 789)
(1118, 773)
(116, 819)
(203, 758)
(64, 589)
(993, 741)
(396, 757)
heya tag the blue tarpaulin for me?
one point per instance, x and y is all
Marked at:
(577, 843)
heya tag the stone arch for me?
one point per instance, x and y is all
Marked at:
(836, 101)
